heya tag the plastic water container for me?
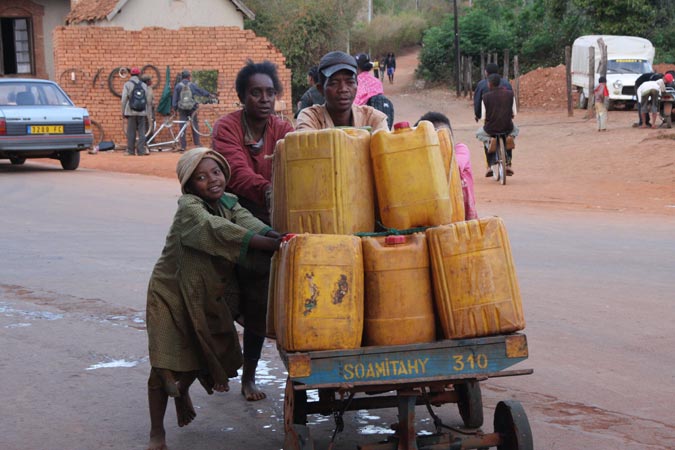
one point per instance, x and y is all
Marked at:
(272, 286)
(322, 182)
(475, 285)
(452, 174)
(319, 293)
(399, 306)
(412, 187)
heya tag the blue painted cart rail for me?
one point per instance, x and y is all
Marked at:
(441, 360)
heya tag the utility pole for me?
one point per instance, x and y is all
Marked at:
(456, 47)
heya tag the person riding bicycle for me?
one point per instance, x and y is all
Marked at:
(499, 109)
(186, 105)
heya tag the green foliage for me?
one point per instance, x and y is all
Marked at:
(206, 79)
(387, 33)
(436, 57)
(629, 17)
(538, 30)
(303, 31)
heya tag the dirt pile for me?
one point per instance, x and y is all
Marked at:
(544, 87)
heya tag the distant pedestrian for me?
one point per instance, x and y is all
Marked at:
(312, 96)
(390, 63)
(601, 96)
(134, 109)
(185, 103)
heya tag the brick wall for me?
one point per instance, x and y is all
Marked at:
(85, 56)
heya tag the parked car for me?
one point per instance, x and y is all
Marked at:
(38, 120)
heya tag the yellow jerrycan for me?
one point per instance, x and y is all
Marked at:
(319, 293)
(399, 306)
(452, 174)
(271, 290)
(412, 187)
(322, 182)
(475, 285)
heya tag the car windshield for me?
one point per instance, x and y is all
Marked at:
(628, 66)
(24, 93)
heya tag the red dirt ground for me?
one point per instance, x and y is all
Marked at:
(560, 162)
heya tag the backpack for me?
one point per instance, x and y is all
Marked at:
(186, 100)
(382, 103)
(138, 102)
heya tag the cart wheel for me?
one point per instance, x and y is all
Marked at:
(511, 423)
(295, 419)
(470, 403)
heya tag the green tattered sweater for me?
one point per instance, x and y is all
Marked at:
(189, 324)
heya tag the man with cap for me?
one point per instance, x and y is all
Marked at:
(185, 110)
(338, 84)
(135, 118)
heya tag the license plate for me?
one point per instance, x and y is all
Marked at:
(45, 129)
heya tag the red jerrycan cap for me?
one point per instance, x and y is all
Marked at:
(288, 237)
(394, 240)
(401, 125)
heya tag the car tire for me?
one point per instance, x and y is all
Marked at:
(17, 160)
(70, 160)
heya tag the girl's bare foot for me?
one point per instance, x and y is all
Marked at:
(157, 441)
(185, 412)
(221, 387)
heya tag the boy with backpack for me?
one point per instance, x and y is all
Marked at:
(134, 109)
(184, 102)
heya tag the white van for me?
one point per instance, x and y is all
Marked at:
(627, 58)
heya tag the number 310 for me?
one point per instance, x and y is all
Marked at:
(471, 362)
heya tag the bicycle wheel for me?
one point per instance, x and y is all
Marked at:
(205, 129)
(501, 159)
(97, 131)
(116, 80)
(150, 125)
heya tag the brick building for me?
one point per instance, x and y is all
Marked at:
(82, 44)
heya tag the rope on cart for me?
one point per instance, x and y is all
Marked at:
(337, 415)
(438, 423)
(390, 231)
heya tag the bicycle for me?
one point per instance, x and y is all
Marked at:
(169, 124)
(501, 164)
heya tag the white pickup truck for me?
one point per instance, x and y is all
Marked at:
(627, 58)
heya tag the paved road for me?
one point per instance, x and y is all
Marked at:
(78, 247)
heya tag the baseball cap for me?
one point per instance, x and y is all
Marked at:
(335, 61)
(668, 78)
(185, 74)
(363, 61)
(135, 71)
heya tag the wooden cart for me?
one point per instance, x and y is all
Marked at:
(401, 377)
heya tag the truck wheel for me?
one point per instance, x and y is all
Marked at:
(668, 114)
(583, 101)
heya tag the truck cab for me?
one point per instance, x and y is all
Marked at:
(628, 57)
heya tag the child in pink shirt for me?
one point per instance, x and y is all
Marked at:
(463, 158)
